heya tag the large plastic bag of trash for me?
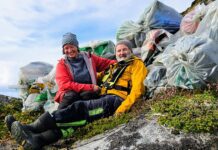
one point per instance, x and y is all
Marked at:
(31, 105)
(156, 78)
(208, 27)
(128, 30)
(100, 48)
(155, 75)
(132, 31)
(29, 73)
(41, 95)
(36, 98)
(212, 33)
(157, 16)
(50, 104)
(191, 62)
(191, 20)
(48, 78)
(161, 16)
(50, 90)
(137, 51)
(37, 101)
(155, 42)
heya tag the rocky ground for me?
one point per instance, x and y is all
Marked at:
(148, 135)
(139, 134)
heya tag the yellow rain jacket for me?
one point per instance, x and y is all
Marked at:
(133, 75)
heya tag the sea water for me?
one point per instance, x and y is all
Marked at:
(9, 91)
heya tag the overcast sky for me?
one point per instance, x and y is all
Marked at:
(31, 30)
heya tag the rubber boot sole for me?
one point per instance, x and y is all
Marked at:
(23, 137)
(9, 119)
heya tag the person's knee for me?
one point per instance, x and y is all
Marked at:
(70, 95)
(87, 95)
(69, 98)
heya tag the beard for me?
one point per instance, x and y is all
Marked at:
(124, 57)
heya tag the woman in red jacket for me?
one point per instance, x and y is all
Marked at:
(76, 73)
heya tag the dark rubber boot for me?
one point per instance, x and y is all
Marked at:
(42, 139)
(9, 119)
(43, 123)
(35, 141)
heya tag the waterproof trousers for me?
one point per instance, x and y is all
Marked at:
(80, 112)
(70, 97)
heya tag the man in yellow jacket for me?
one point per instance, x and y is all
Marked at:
(129, 84)
(121, 86)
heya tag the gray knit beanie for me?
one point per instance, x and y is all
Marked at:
(69, 38)
(125, 42)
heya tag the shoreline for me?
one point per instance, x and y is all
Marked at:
(8, 91)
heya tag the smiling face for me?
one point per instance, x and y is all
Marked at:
(122, 52)
(71, 50)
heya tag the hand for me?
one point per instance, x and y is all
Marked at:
(96, 88)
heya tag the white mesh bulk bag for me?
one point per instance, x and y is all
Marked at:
(191, 62)
(29, 73)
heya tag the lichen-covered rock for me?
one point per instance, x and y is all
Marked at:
(147, 135)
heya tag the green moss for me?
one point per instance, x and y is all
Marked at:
(14, 107)
(187, 111)
(99, 126)
(196, 113)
